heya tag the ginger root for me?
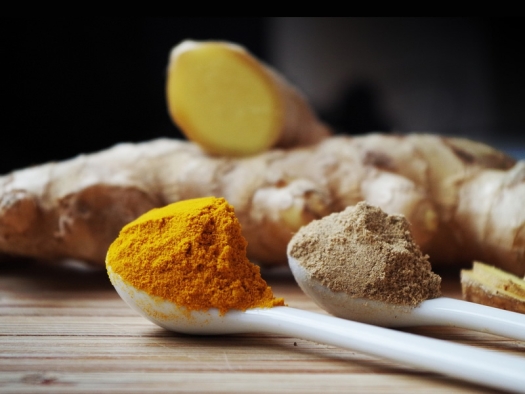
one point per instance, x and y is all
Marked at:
(464, 200)
(232, 104)
(491, 286)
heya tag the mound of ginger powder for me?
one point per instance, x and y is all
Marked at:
(366, 253)
(193, 254)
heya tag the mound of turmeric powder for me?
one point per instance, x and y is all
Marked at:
(193, 254)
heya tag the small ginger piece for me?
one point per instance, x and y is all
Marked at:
(232, 104)
(488, 285)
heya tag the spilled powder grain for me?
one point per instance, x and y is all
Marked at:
(366, 253)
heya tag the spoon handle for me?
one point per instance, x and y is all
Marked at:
(457, 313)
(479, 366)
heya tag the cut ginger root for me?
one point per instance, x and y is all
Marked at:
(488, 285)
(464, 200)
(232, 104)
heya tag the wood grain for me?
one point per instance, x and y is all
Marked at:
(65, 330)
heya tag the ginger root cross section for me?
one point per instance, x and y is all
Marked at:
(232, 104)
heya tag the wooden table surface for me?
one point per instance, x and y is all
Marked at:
(65, 330)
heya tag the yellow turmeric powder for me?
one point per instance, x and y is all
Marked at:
(193, 254)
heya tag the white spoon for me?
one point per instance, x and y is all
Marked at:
(463, 362)
(440, 311)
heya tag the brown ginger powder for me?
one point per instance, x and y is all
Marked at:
(366, 253)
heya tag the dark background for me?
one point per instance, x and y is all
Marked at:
(73, 86)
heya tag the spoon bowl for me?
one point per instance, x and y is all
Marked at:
(171, 316)
(439, 311)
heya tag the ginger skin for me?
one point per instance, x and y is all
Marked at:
(464, 200)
